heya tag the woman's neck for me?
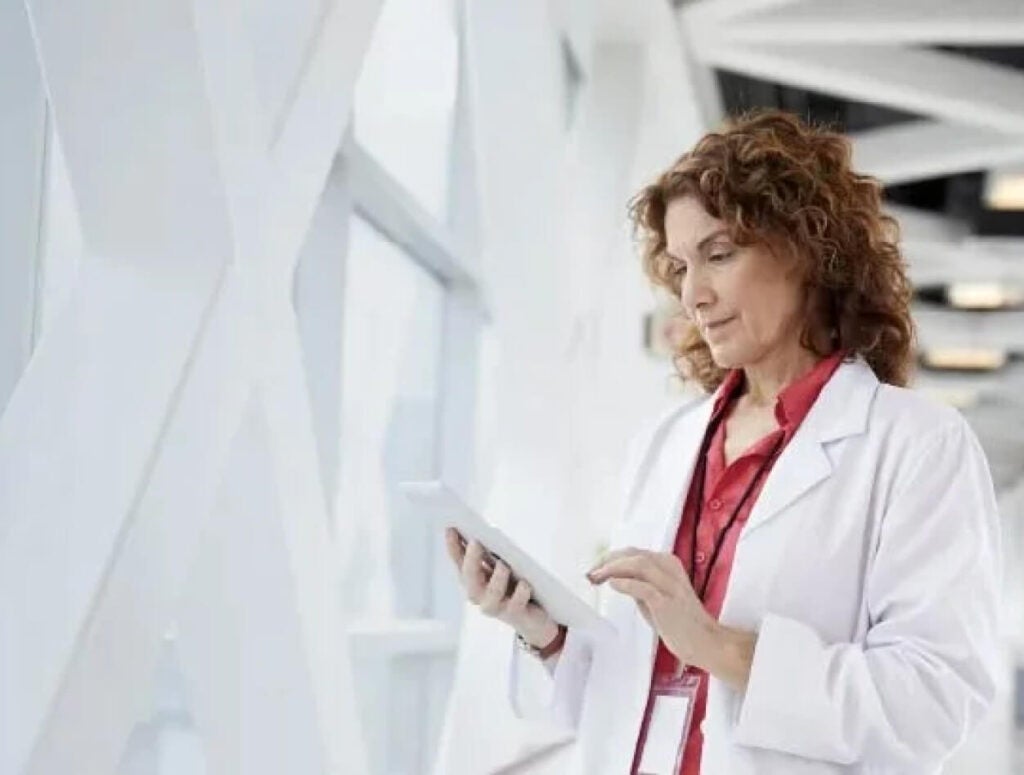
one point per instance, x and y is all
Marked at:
(769, 377)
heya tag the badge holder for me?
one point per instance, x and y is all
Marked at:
(669, 715)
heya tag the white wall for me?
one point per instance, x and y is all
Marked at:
(177, 344)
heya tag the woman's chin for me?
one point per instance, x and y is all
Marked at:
(725, 357)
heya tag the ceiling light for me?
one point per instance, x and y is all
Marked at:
(1004, 190)
(983, 295)
(963, 359)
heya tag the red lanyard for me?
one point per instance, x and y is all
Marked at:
(701, 472)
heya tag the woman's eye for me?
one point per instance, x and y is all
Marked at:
(720, 256)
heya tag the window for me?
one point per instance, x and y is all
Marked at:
(22, 159)
(393, 328)
(406, 94)
(391, 350)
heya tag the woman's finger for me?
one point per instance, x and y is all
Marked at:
(613, 555)
(454, 546)
(515, 608)
(473, 577)
(640, 567)
(645, 612)
(670, 563)
(640, 591)
(492, 602)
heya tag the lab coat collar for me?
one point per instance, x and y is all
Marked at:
(841, 410)
(842, 407)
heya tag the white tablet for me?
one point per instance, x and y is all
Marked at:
(449, 510)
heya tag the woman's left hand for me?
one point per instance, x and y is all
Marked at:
(659, 585)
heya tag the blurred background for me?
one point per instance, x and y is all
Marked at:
(261, 261)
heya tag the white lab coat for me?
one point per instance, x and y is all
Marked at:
(870, 569)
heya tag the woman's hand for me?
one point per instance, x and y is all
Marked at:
(658, 583)
(490, 592)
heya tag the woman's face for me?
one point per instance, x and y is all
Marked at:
(745, 302)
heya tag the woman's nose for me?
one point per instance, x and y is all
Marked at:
(696, 291)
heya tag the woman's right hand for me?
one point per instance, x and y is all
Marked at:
(491, 595)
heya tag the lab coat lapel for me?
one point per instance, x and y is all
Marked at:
(673, 473)
(802, 464)
(655, 509)
(840, 410)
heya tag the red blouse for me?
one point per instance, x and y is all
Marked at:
(723, 488)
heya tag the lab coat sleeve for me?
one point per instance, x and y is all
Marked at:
(556, 696)
(926, 673)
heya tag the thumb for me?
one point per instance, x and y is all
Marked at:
(645, 612)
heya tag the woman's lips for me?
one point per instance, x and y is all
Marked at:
(715, 327)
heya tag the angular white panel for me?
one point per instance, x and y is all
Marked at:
(22, 157)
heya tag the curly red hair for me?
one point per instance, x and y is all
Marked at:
(777, 181)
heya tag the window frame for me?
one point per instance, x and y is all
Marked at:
(444, 247)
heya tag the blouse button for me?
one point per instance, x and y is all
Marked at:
(715, 504)
(701, 557)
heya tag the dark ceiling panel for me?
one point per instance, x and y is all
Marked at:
(741, 93)
(959, 196)
(1007, 56)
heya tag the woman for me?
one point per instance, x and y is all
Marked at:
(806, 573)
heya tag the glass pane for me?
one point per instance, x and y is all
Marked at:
(405, 96)
(22, 158)
(168, 740)
(393, 314)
